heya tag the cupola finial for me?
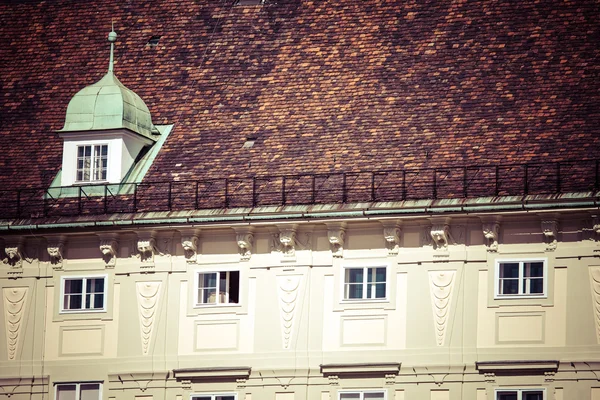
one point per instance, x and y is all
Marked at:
(112, 37)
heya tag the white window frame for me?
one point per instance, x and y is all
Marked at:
(92, 169)
(213, 395)
(217, 303)
(365, 284)
(78, 388)
(362, 393)
(522, 291)
(83, 294)
(519, 391)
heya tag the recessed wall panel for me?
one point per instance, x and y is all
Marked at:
(360, 331)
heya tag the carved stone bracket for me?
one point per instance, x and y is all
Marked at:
(549, 376)
(550, 231)
(390, 379)
(109, 246)
(391, 234)
(190, 241)
(491, 231)
(440, 233)
(287, 240)
(15, 252)
(146, 246)
(241, 383)
(244, 237)
(186, 384)
(336, 233)
(56, 246)
(334, 380)
(490, 377)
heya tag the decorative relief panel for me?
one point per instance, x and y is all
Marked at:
(550, 231)
(336, 233)
(14, 310)
(147, 296)
(288, 287)
(441, 284)
(595, 283)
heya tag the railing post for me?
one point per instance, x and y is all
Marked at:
(525, 180)
(403, 184)
(45, 206)
(19, 203)
(196, 199)
(372, 186)
(135, 189)
(253, 191)
(465, 189)
(344, 194)
(79, 206)
(169, 200)
(105, 199)
(283, 198)
(435, 183)
(226, 192)
(558, 188)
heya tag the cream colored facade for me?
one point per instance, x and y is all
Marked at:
(439, 330)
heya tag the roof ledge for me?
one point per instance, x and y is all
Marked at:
(212, 373)
(360, 369)
(517, 366)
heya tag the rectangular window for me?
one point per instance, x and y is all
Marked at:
(365, 283)
(78, 391)
(521, 278)
(92, 162)
(83, 294)
(519, 394)
(226, 396)
(221, 287)
(363, 395)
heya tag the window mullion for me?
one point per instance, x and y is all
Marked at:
(365, 284)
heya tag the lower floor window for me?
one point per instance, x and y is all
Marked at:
(221, 287)
(519, 394)
(363, 395)
(78, 391)
(214, 397)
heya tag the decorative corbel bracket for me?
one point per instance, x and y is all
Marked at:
(440, 233)
(550, 231)
(287, 239)
(190, 241)
(56, 246)
(109, 245)
(391, 234)
(596, 227)
(491, 232)
(244, 236)
(15, 253)
(146, 246)
(336, 233)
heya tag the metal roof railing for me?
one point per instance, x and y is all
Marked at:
(343, 187)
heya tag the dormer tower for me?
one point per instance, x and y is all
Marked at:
(106, 126)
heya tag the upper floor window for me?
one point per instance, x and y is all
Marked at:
(92, 162)
(228, 396)
(521, 278)
(221, 287)
(363, 395)
(78, 391)
(519, 394)
(365, 283)
(84, 294)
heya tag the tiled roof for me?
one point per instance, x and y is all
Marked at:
(328, 85)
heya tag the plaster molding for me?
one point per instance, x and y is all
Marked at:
(440, 233)
(14, 308)
(15, 252)
(109, 245)
(288, 286)
(491, 233)
(287, 240)
(441, 284)
(55, 248)
(550, 231)
(148, 294)
(244, 238)
(336, 233)
(391, 235)
(595, 288)
(146, 246)
(190, 241)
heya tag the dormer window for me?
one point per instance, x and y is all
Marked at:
(92, 163)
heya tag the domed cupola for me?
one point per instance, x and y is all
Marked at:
(106, 127)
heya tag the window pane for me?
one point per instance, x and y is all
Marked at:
(105, 150)
(201, 398)
(378, 396)
(90, 391)
(88, 151)
(355, 291)
(379, 275)
(536, 286)
(509, 270)
(354, 275)
(224, 398)
(208, 296)
(66, 392)
(506, 395)
(234, 287)
(534, 269)
(533, 395)
(73, 285)
(380, 290)
(344, 396)
(208, 280)
(509, 286)
(80, 150)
